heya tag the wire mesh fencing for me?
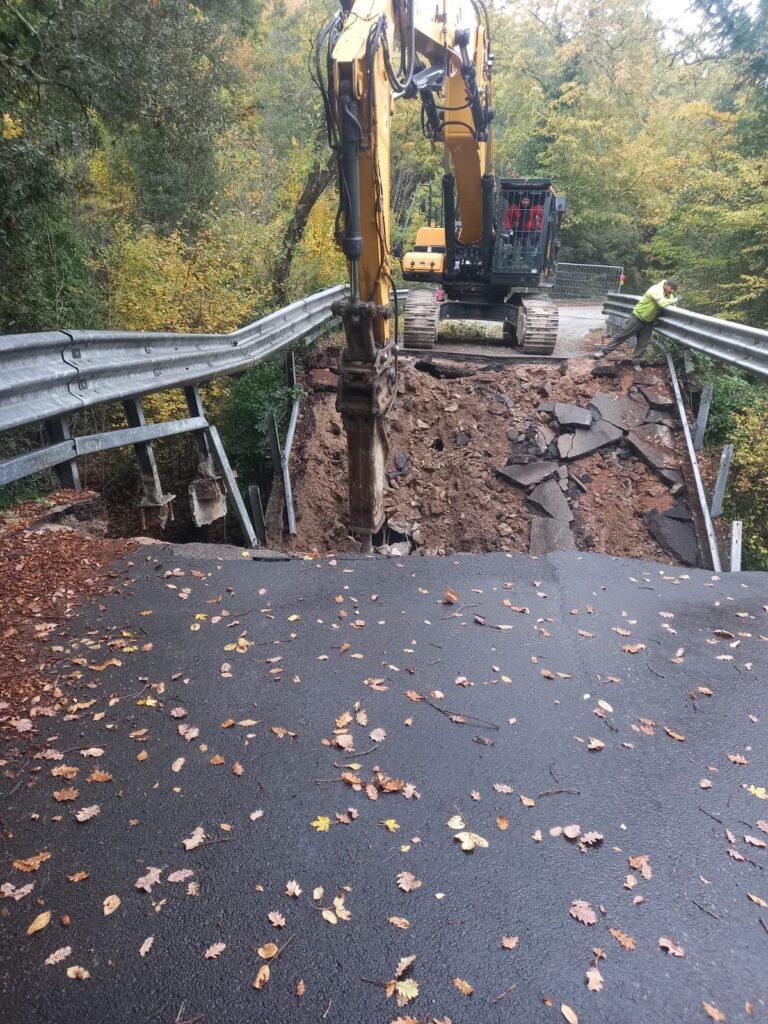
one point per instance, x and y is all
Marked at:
(585, 282)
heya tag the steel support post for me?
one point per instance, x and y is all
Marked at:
(702, 416)
(721, 483)
(207, 493)
(257, 510)
(67, 473)
(736, 545)
(280, 467)
(222, 464)
(154, 506)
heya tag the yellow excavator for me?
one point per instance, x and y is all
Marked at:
(495, 254)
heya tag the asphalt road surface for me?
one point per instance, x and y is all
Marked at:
(661, 672)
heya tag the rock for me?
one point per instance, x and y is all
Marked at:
(621, 412)
(550, 535)
(461, 440)
(653, 443)
(562, 472)
(401, 461)
(545, 389)
(549, 497)
(584, 442)
(546, 407)
(323, 380)
(568, 415)
(656, 397)
(605, 371)
(504, 399)
(674, 535)
(526, 474)
(655, 416)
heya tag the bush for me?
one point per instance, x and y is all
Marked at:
(748, 494)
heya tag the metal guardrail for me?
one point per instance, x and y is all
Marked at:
(59, 372)
(742, 346)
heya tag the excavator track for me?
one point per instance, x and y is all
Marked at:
(537, 324)
(422, 313)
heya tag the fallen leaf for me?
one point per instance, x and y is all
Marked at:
(215, 950)
(624, 940)
(321, 823)
(502, 823)
(111, 903)
(510, 941)
(583, 912)
(78, 972)
(451, 597)
(378, 735)
(471, 841)
(713, 1013)
(463, 986)
(58, 956)
(633, 648)
(151, 878)
(526, 801)
(571, 831)
(86, 813)
(267, 951)
(146, 945)
(40, 922)
(92, 752)
(594, 980)
(97, 775)
(301, 988)
(671, 947)
(79, 876)
(406, 990)
(503, 787)
(195, 840)
(62, 795)
(180, 876)
(642, 864)
(570, 1015)
(292, 888)
(674, 735)
(276, 919)
(595, 744)
(408, 882)
(737, 759)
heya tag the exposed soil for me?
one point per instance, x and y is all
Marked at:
(452, 435)
(52, 557)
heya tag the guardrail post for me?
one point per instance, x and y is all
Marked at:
(241, 512)
(154, 502)
(68, 474)
(716, 509)
(207, 493)
(703, 416)
(280, 466)
(736, 545)
(257, 509)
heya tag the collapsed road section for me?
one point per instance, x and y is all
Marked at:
(485, 455)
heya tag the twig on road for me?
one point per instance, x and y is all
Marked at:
(557, 792)
(706, 910)
(460, 714)
(501, 995)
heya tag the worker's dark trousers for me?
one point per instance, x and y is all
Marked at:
(634, 325)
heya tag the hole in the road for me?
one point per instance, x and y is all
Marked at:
(437, 444)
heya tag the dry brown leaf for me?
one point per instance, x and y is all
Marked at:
(407, 881)
(583, 912)
(674, 735)
(632, 648)
(758, 900)
(78, 972)
(97, 775)
(641, 863)
(399, 922)
(671, 947)
(451, 596)
(79, 876)
(463, 986)
(32, 863)
(276, 919)
(62, 795)
(403, 964)
(146, 945)
(151, 878)
(237, 768)
(737, 759)
(301, 988)
(572, 831)
(594, 980)
(595, 744)
(180, 876)
(510, 941)
(267, 951)
(503, 787)
(624, 940)
(59, 955)
(713, 1013)
(292, 888)
(195, 840)
(111, 903)
(64, 771)
(502, 823)
(86, 813)
(754, 841)
(526, 801)
(215, 950)
(262, 977)
(570, 1015)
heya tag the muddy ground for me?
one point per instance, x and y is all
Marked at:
(447, 438)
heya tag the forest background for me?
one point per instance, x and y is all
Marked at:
(164, 166)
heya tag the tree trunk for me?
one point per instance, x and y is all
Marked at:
(317, 182)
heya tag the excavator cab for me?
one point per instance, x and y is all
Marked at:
(527, 217)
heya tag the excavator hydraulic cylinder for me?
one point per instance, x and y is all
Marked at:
(449, 217)
(349, 173)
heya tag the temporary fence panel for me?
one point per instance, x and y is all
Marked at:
(585, 282)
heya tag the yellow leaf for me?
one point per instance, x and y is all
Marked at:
(390, 824)
(321, 823)
(407, 989)
(267, 951)
(759, 791)
(294, 618)
(40, 922)
(470, 841)
(329, 916)
(463, 986)
(526, 801)
(456, 822)
(262, 977)
(111, 903)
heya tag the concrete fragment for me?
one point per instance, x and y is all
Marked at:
(584, 442)
(550, 535)
(527, 474)
(548, 496)
(568, 415)
(653, 443)
(621, 412)
(675, 536)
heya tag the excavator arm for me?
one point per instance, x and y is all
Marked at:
(445, 61)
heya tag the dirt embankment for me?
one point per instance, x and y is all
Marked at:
(448, 438)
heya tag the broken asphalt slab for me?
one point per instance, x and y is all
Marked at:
(549, 497)
(548, 535)
(618, 410)
(642, 792)
(584, 442)
(525, 474)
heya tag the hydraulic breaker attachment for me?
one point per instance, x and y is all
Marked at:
(367, 384)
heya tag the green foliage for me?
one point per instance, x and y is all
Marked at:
(732, 393)
(748, 495)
